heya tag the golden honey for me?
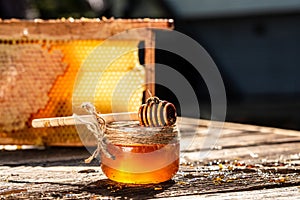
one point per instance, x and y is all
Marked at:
(142, 155)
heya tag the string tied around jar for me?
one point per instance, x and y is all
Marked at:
(97, 127)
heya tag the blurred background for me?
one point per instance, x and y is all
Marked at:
(255, 45)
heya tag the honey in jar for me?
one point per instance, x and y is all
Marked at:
(142, 155)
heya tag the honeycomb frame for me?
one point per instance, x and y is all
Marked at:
(39, 45)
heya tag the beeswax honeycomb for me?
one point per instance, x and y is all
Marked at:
(38, 78)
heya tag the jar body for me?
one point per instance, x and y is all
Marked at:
(142, 163)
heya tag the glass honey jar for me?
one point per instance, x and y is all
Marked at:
(142, 155)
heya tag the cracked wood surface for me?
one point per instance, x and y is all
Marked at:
(246, 162)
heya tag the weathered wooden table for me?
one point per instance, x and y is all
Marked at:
(246, 162)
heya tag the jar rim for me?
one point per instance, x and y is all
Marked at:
(130, 132)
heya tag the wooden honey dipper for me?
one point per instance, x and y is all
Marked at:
(154, 113)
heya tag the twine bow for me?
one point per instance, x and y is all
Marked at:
(97, 127)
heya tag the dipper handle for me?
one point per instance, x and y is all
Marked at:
(70, 120)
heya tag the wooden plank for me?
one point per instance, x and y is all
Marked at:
(83, 182)
(78, 29)
(230, 138)
(282, 152)
(240, 169)
(276, 193)
(234, 126)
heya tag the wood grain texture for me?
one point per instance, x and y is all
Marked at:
(150, 63)
(246, 163)
(79, 29)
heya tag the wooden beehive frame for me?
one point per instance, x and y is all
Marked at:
(82, 29)
(27, 31)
